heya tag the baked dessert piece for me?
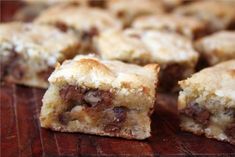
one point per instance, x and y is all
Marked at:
(128, 10)
(187, 26)
(174, 53)
(29, 52)
(33, 8)
(218, 15)
(100, 97)
(216, 48)
(121, 45)
(83, 21)
(207, 102)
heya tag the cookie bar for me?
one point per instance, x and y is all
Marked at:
(100, 97)
(128, 10)
(29, 52)
(218, 15)
(120, 45)
(33, 8)
(216, 48)
(174, 53)
(187, 26)
(83, 21)
(207, 102)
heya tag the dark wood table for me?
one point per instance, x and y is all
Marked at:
(21, 134)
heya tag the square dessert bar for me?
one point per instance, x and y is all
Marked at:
(190, 27)
(128, 10)
(100, 97)
(29, 52)
(85, 22)
(216, 48)
(33, 8)
(217, 14)
(174, 53)
(207, 102)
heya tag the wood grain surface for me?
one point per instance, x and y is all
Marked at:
(21, 134)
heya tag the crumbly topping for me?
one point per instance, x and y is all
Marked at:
(148, 46)
(218, 80)
(116, 44)
(104, 74)
(167, 47)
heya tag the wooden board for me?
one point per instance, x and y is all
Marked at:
(21, 134)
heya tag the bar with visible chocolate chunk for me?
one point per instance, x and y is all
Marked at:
(216, 48)
(217, 14)
(206, 103)
(173, 52)
(29, 52)
(128, 10)
(85, 22)
(100, 97)
(190, 27)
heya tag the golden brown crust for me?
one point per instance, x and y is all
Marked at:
(104, 72)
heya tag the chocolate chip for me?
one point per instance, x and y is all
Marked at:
(88, 97)
(117, 119)
(97, 3)
(71, 94)
(61, 26)
(120, 114)
(121, 14)
(199, 114)
(64, 118)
